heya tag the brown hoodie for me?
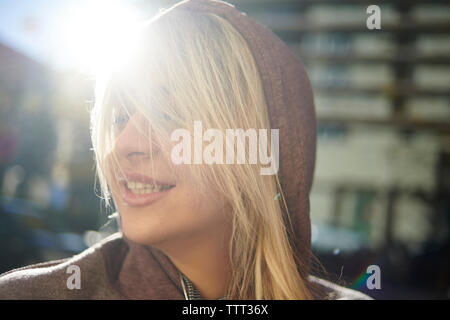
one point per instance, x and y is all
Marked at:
(117, 268)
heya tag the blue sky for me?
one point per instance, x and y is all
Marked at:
(29, 26)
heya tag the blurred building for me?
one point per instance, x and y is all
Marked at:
(381, 190)
(47, 198)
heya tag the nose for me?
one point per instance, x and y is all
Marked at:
(133, 143)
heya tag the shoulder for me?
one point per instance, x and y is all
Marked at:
(336, 292)
(49, 280)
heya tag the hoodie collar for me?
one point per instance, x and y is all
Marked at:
(147, 273)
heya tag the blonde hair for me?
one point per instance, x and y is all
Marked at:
(196, 66)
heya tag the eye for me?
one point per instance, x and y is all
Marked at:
(121, 119)
(119, 122)
(121, 115)
(166, 117)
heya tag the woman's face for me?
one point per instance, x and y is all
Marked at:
(165, 207)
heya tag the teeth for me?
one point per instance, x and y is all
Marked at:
(143, 188)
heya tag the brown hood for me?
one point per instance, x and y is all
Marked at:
(291, 110)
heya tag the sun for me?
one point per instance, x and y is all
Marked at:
(99, 34)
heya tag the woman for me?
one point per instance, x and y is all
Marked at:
(201, 228)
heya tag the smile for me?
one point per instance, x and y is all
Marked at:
(139, 190)
(144, 188)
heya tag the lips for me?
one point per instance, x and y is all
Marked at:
(140, 190)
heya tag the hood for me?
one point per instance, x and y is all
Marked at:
(290, 105)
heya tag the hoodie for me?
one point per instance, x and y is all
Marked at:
(117, 268)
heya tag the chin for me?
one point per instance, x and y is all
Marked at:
(144, 229)
(144, 237)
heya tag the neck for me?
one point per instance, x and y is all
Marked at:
(203, 259)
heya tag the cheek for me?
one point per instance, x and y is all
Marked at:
(199, 210)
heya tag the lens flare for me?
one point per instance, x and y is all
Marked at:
(99, 35)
